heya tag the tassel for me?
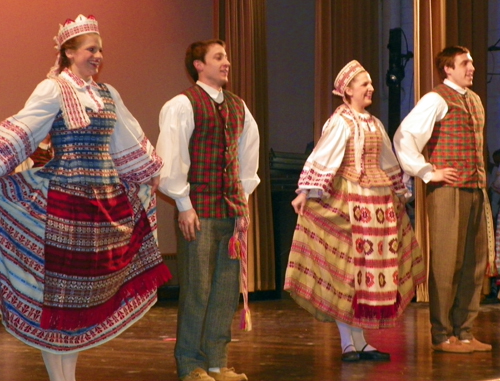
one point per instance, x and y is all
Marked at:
(246, 320)
(238, 250)
(234, 247)
(491, 271)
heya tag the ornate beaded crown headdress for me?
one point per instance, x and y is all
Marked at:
(73, 28)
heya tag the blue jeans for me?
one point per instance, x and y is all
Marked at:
(209, 295)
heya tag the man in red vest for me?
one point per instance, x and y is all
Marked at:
(210, 143)
(448, 122)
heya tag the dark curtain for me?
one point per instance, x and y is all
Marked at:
(345, 30)
(242, 25)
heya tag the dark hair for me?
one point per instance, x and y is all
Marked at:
(446, 58)
(72, 44)
(197, 51)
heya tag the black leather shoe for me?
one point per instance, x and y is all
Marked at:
(374, 356)
(350, 356)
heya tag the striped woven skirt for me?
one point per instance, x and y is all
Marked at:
(78, 264)
(354, 257)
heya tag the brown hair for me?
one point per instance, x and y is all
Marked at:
(446, 58)
(72, 44)
(197, 51)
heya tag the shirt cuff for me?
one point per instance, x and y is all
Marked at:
(427, 177)
(183, 204)
(425, 173)
(315, 193)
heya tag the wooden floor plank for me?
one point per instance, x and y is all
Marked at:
(286, 344)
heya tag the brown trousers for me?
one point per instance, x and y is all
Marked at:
(458, 257)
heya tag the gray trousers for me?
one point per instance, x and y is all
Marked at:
(459, 251)
(209, 296)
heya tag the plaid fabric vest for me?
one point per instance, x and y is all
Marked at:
(215, 186)
(457, 140)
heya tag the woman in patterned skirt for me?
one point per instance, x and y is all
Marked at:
(354, 257)
(79, 261)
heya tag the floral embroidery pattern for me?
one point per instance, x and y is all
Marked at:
(381, 280)
(390, 214)
(394, 246)
(364, 246)
(369, 279)
(395, 277)
(362, 214)
(380, 215)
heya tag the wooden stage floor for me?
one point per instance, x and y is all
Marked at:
(286, 344)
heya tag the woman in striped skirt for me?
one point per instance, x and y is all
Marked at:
(354, 257)
(79, 261)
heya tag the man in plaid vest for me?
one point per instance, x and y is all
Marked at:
(210, 143)
(448, 122)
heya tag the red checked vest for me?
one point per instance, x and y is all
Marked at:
(457, 140)
(215, 187)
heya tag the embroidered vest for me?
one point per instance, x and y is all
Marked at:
(371, 174)
(82, 155)
(457, 140)
(215, 186)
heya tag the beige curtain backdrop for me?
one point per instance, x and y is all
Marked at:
(440, 23)
(345, 30)
(429, 26)
(242, 25)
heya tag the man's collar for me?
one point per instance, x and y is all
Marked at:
(454, 86)
(214, 93)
